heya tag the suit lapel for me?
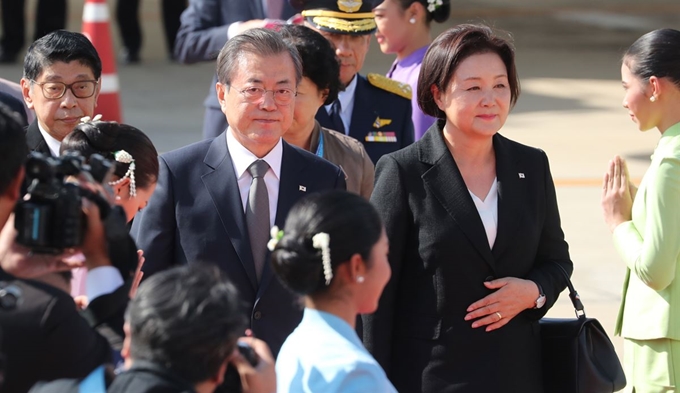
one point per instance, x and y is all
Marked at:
(289, 193)
(222, 185)
(446, 184)
(35, 140)
(510, 195)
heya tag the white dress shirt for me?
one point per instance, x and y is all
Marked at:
(488, 211)
(52, 143)
(346, 98)
(241, 158)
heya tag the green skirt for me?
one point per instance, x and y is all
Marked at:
(652, 366)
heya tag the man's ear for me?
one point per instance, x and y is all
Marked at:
(97, 90)
(222, 91)
(26, 92)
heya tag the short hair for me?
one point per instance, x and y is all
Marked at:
(439, 15)
(319, 62)
(106, 138)
(446, 53)
(64, 46)
(186, 319)
(656, 53)
(352, 224)
(259, 42)
(13, 148)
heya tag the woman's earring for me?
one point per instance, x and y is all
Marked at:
(118, 198)
(652, 98)
(412, 20)
(360, 279)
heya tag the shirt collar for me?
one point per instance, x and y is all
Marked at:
(242, 157)
(52, 143)
(346, 96)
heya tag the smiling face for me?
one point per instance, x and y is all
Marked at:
(477, 100)
(394, 28)
(637, 100)
(58, 116)
(259, 124)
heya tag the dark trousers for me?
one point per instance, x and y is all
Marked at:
(127, 14)
(50, 16)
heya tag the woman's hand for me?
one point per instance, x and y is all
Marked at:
(513, 296)
(617, 199)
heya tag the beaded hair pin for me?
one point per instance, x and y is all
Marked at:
(124, 157)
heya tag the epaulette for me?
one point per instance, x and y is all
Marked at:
(385, 83)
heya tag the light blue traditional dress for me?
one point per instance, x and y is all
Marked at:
(324, 354)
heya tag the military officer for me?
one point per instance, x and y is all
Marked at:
(373, 109)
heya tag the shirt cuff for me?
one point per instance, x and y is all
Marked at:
(231, 31)
(102, 281)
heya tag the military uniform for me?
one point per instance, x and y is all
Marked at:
(381, 111)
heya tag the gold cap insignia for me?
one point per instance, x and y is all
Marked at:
(379, 123)
(349, 5)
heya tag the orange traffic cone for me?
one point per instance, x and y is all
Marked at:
(96, 29)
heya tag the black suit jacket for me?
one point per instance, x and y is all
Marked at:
(370, 103)
(196, 215)
(440, 258)
(44, 338)
(35, 140)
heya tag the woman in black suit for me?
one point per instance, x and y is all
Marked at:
(474, 229)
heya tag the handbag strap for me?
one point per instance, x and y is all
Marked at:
(573, 295)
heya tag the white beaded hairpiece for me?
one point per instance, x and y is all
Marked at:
(432, 5)
(321, 241)
(124, 157)
(88, 119)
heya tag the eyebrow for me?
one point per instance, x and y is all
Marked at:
(281, 82)
(54, 77)
(478, 78)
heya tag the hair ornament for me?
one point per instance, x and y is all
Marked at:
(276, 235)
(125, 158)
(88, 119)
(432, 5)
(321, 241)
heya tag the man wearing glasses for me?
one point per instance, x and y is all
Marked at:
(216, 200)
(61, 84)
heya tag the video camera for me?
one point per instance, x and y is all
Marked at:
(50, 218)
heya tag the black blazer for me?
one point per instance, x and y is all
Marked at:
(35, 140)
(44, 338)
(196, 215)
(440, 258)
(371, 103)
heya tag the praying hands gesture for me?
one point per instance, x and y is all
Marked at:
(617, 194)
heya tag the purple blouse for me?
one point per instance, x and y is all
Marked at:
(406, 71)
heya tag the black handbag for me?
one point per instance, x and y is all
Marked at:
(578, 356)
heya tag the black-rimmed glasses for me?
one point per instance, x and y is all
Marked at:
(56, 90)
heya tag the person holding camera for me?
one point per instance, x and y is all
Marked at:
(44, 337)
(61, 83)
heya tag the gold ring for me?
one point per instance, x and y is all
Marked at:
(499, 315)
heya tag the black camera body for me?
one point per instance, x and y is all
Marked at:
(50, 218)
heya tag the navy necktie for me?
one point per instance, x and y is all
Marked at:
(338, 125)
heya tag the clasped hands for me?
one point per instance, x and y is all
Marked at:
(512, 296)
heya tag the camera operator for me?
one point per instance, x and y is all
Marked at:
(43, 335)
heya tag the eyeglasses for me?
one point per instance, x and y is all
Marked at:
(255, 94)
(56, 90)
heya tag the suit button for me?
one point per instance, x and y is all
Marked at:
(257, 315)
(489, 278)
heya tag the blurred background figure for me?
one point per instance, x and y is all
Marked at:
(319, 86)
(333, 252)
(50, 16)
(13, 90)
(206, 25)
(372, 109)
(645, 222)
(127, 16)
(404, 30)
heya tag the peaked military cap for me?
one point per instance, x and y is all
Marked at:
(353, 17)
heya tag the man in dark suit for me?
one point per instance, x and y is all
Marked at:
(197, 211)
(375, 110)
(61, 84)
(206, 25)
(50, 16)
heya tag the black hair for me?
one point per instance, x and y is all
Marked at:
(446, 53)
(352, 224)
(439, 15)
(186, 319)
(106, 138)
(319, 62)
(656, 53)
(13, 148)
(64, 46)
